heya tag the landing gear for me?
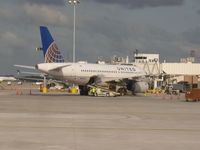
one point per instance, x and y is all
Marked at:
(122, 91)
(83, 90)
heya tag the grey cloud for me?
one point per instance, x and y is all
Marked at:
(142, 3)
(99, 36)
(12, 43)
(17, 47)
(43, 14)
(127, 3)
(12, 38)
(35, 14)
(116, 29)
(192, 36)
(198, 12)
(111, 36)
(46, 2)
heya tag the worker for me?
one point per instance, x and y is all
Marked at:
(93, 91)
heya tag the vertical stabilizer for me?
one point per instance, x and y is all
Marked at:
(50, 49)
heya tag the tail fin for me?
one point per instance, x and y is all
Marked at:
(50, 49)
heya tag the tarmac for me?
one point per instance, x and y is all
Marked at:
(70, 122)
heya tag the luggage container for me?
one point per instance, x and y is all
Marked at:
(192, 94)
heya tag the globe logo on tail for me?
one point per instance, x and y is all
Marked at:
(53, 55)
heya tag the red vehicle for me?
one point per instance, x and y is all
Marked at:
(192, 94)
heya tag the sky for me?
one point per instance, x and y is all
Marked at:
(104, 28)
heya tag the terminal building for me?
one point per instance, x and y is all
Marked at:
(164, 73)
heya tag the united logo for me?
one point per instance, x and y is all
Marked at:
(53, 55)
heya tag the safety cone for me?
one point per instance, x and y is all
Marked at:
(17, 92)
(163, 97)
(156, 94)
(21, 93)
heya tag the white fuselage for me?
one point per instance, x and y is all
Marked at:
(7, 79)
(80, 74)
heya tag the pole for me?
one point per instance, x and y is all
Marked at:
(74, 2)
(74, 34)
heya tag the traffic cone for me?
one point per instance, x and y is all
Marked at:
(163, 97)
(156, 94)
(20, 92)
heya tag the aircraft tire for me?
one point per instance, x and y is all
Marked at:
(83, 90)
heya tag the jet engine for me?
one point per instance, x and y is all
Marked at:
(140, 87)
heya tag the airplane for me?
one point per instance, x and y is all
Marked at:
(7, 78)
(83, 74)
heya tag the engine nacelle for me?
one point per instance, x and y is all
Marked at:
(140, 87)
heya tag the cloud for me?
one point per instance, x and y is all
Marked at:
(45, 15)
(192, 36)
(35, 15)
(5, 13)
(46, 2)
(11, 43)
(100, 31)
(11, 38)
(142, 3)
(127, 3)
(8, 36)
(109, 36)
(198, 11)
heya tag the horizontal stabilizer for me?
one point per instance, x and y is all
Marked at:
(27, 67)
(31, 73)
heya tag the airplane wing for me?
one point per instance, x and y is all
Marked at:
(30, 79)
(38, 78)
(58, 68)
(31, 73)
(36, 67)
(102, 79)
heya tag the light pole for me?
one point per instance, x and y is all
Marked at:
(74, 2)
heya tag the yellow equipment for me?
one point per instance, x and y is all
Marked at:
(73, 90)
(44, 90)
